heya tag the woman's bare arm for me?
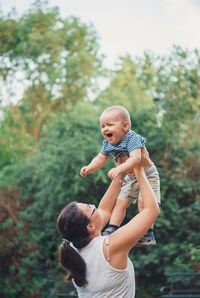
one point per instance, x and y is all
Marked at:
(108, 201)
(128, 235)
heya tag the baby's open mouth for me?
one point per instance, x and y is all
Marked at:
(109, 135)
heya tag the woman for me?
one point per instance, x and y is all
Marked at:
(99, 265)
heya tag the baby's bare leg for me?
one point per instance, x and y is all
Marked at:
(119, 212)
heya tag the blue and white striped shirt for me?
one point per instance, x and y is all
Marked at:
(130, 142)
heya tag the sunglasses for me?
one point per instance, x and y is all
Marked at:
(92, 211)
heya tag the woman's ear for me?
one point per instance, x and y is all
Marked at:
(90, 228)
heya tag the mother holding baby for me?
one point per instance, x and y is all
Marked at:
(99, 266)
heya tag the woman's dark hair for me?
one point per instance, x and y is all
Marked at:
(72, 225)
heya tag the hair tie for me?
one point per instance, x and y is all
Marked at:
(65, 241)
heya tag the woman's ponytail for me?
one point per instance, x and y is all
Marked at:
(72, 262)
(72, 225)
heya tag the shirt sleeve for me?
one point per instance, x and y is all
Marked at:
(104, 150)
(135, 142)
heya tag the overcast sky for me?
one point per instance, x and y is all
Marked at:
(131, 26)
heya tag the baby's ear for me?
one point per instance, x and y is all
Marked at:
(126, 126)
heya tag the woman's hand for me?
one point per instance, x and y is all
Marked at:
(115, 172)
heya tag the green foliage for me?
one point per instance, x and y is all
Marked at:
(58, 62)
(167, 114)
(50, 49)
(49, 180)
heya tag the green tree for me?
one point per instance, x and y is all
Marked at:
(47, 181)
(175, 87)
(162, 95)
(58, 60)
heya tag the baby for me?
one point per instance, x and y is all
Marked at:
(122, 142)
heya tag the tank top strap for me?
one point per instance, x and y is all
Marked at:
(107, 248)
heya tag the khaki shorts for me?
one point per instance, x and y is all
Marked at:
(130, 190)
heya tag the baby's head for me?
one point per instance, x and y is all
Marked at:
(115, 123)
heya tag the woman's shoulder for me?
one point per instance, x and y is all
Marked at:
(94, 243)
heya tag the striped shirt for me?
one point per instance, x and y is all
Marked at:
(130, 142)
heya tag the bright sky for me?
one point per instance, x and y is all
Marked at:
(131, 26)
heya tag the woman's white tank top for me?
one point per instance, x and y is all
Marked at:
(104, 281)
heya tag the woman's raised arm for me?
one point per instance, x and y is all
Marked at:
(108, 201)
(128, 235)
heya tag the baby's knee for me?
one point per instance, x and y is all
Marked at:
(122, 205)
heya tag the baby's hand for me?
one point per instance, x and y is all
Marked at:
(114, 173)
(84, 171)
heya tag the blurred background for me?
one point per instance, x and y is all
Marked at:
(61, 64)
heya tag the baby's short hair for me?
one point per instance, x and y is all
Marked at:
(122, 111)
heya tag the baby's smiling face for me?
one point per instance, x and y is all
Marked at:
(113, 128)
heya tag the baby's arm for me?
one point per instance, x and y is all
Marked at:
(133, 160)
(97, 162)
